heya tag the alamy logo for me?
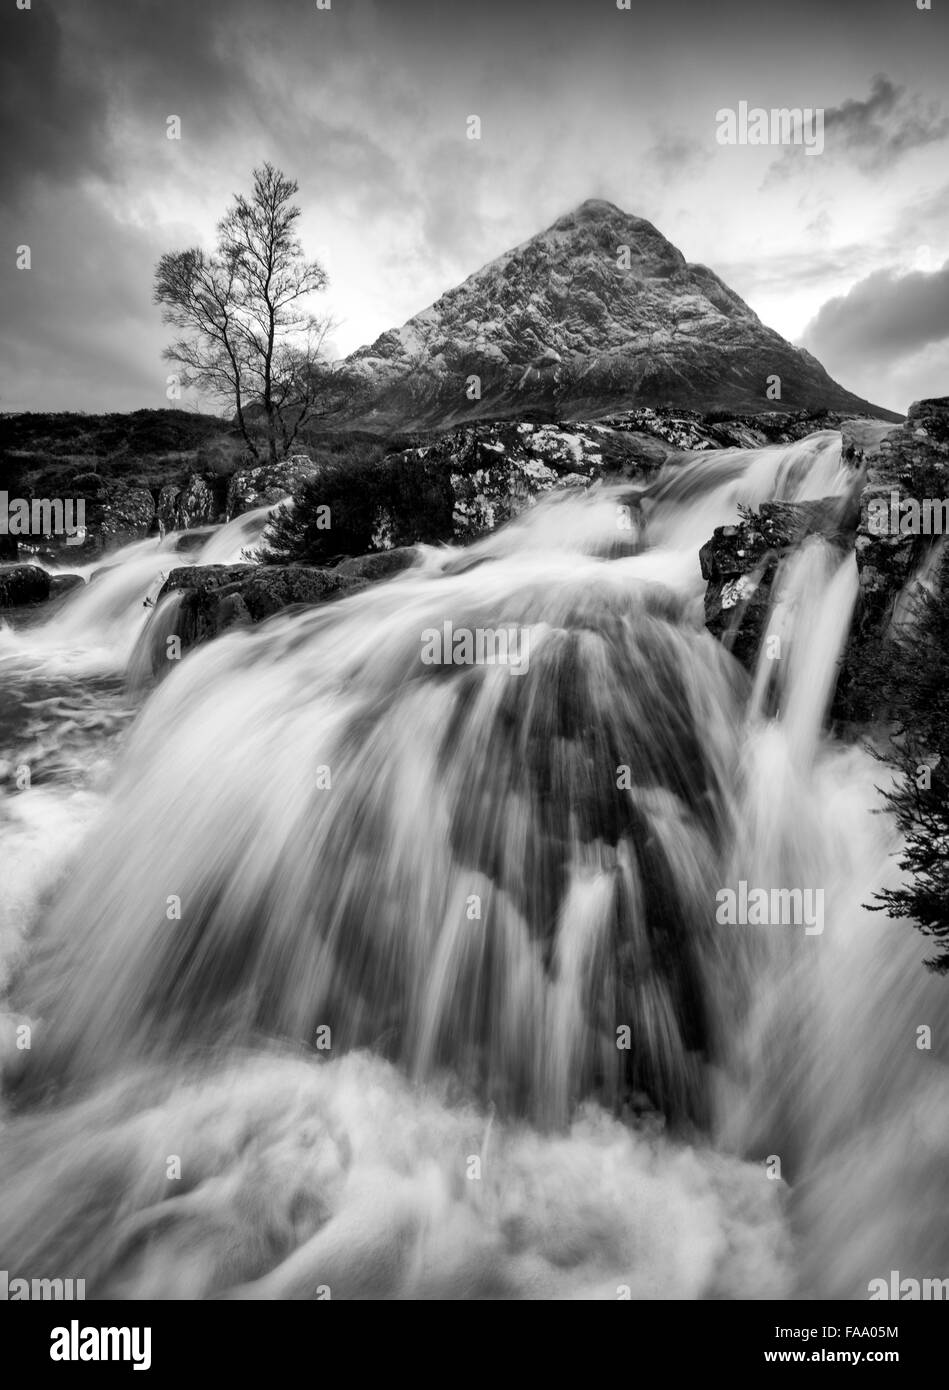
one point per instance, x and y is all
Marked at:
(43, 516)
(908, 1290)
(771, 907)
(910, 516)
(480, 646)
(75, 1343)
(779, 126)
(39, 1290)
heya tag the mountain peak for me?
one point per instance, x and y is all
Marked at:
(596, 207)
(589, 215)
(597, 313)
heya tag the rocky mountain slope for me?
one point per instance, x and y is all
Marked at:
(571, 326)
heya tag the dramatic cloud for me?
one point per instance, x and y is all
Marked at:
(884, 126)
(52, 111)
(892, 331)
(871, 134)
(79, 329)
(884, 315)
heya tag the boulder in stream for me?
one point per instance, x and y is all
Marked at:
(21, 584)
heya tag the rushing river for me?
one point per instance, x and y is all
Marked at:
(346, 972)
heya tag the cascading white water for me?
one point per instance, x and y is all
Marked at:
(471, 882)
(97, 629)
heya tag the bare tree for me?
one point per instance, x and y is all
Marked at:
(250, 337)
(300, 375)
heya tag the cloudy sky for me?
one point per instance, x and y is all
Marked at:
(366, 103)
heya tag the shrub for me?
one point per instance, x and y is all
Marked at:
(912, 686)
(376, 500)
(344, 483)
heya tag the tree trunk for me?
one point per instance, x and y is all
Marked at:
(243, 427)
(271, 432)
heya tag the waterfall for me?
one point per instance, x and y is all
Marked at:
(97, 629)
(415, 966)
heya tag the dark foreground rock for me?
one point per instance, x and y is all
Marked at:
(258, 591)
(740, 563)
(378, 566)
(908, 465)
(61, 584)
(199, 602)
(23, 584)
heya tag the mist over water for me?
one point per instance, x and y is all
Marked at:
(475, 880)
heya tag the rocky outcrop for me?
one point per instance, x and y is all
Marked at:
(897, 470)
(932, 417)
(194, 505)
(456, 485)
(116, 513)
(199, 602)
(905, 465)
(268, 483)
(597, 313)
(903, 468)
(479, 477)
(451, 488)
(262, 590)
(28, 584)
(22, 584)
(374, 568)
(166, 508)
(740, 563)
(120, 514)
